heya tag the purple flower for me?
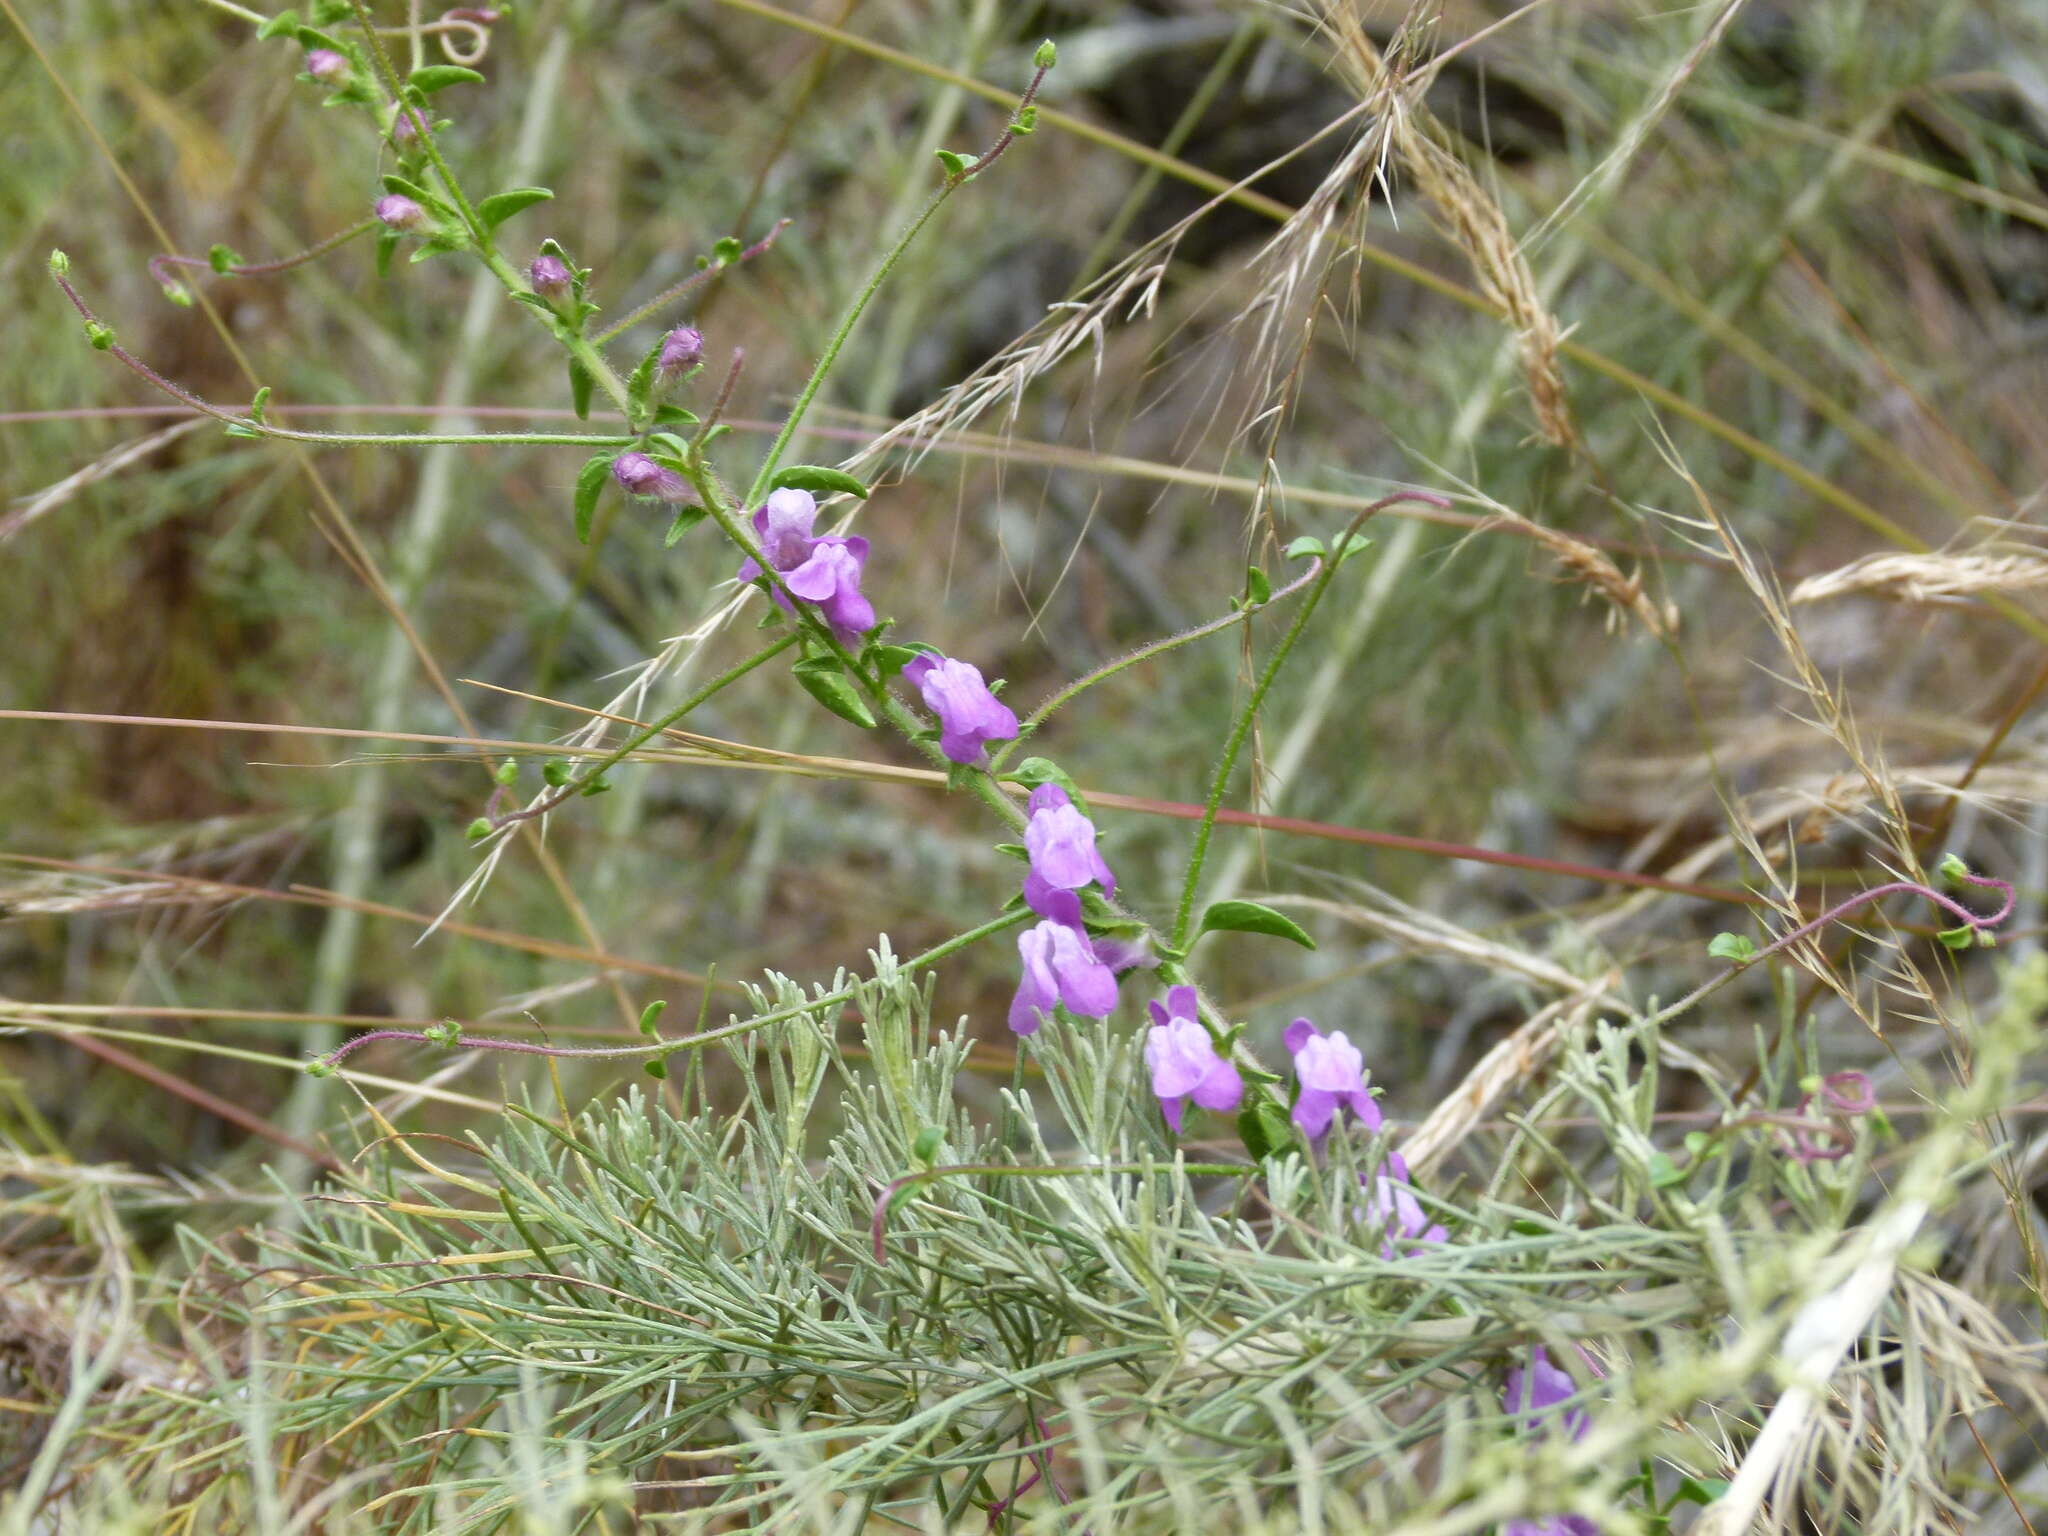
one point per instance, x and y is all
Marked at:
(1331, 1073)
(1391, 1202)
(326, 66)
(550, 277)
(825, 571)
(969, 715)
(1123, 951)
(1061, 842)
(1059, 967)
(1183, 1060)
(638, 475)
(680, 349)
(1533, 1392)
(398, 212)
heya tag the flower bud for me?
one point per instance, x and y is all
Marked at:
(638, 475)
(397, 212)
(326, 66)
(680, 350)
(550, 277)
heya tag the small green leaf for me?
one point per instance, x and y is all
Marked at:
(256, 405)
(597, 786)
(479, 829)
(1307, 544)
(1664, 1172)
(656, 1068)
(438, 77)
(641, 384)
(283, 24)
(726, 251)
(926, 1148)
(580, 386)
(1699, 1490)
(1014, 850)
(1953, 870)
(1257, 585)
(955, 164)
(1264, 1128)
(823, 681)
(1250, 917)
(240, 429)
(500, 206)
(590, 481)
(1731, 946)
(508, 772)
(651, 1015)
(99, 334)
(312, 37)
(555, 773)
(1959, 938)
(686, 519)
(222, 259)
(387, 242)
(393, 182)
(890, 660)
(1025, 123)
(815, 477)
(674, 416)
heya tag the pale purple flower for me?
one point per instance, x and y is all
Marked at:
(969, 715)
(1059, 967)
(680, 350)
(1332, 1074)
(1532, 1394)
(399, 212)
(1390, 1201)
(550, 276)
(405, 127)
(638, 475)
(1061, 842)
(1183, 1060)
(326, 66)
(825, 571)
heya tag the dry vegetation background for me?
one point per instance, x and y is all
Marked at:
(1638, 286)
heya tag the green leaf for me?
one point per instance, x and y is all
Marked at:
(580, 386)
(651, 1016)
(590, 481)
(1953, 870)
(641, 384)
(438, 77)
(823, 681)
(1307, 544)
(1257, 585)
(1250, 917)
(1025, 123)
(312, 37)
(387, 242)
(500, 206)
(1664, 1172)
(555, 772)
(656, 1068)
(1043, 770)
(508, 772)
(240, 429)
(686, 519)
(1731, 946)
(283, 24)
(222, 259)
(393, 182)
(1960, 938)
(955, 164)
(815, 477)
(726, 251)
(890, 660)
(926, 1148)
(1264, 1128)
(673, 416)
(1699, 1490)
(256, 405)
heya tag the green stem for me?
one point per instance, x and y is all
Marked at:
(830, 355)
(1242, 728)
(645, 734)
(423, 123)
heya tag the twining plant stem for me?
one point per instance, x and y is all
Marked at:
(1184, 914)
(880, 275)
(670, 295)
(158, 265)
(645, 734)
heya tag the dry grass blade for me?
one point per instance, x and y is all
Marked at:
(1948, 580)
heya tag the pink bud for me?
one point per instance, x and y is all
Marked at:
(399, 212)
(550, 277)
(680, 350)
(326, 66)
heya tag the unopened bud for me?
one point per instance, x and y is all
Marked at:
(550, 277)
(405, 127)
(400, 212)
(638, 475)
(326, 66)
(680, 350)
(60, 264)
(1046, 56)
